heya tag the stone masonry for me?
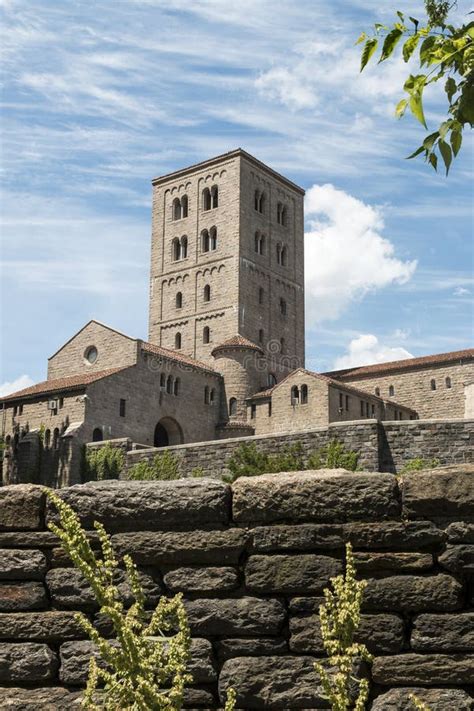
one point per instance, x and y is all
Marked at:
(252, 561)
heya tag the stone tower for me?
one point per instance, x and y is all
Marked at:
(227, 260)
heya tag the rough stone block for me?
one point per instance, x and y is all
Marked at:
(28, 539)
(443, 633)
(424, 669)
(22, 564)
(240, 616)
(153, 506)
(40, 626)
(401, 562)
(50, 698)
(22, 596)
(306, 536)
(325, 496)
(21, 507)
(75, 658)
(458, 559)
(394, 535)
(436, 699)
(183, 548)
(290, 573)
(204, 580)
(26, 661)
(460, 532)
(410, 593)
(442, 493)
(250, 647)
(69, 589)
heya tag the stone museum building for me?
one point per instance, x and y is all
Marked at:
(225, 353)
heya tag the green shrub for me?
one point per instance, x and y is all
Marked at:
(198, 473)
(290, 459)
(418, 464)
(103, 462)
(247, 461)
(334, 456)
(163, 467)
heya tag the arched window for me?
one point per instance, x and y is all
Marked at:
(261, 295)
(169, 385)
(179, 300)
(215, 196)
(176, 209)
(377, 392)
(433, 384)
(259, 243)
(213, 239)
(47, 439)
(283, 307)
(184, 247)
(261, 203)
(282, 345)
(257, 199)
(391, 391)
(448, 382)
(204, 241)
(97, 435)
(206, 395)
(278, 253)
(232, 406)
(207, 293)
(284, 256)
(271, 380)
(281, 214)
(176, 386)
(176, 249)
(212, 396)
(304, 394)
(261, 335)
(295, 395)
(56, 438)
(184, 206)
(206, 334)
(162, 381)
(206, 199)
(177, 341)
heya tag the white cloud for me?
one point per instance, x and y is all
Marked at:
(461, 291)
(346, 256)
(366, 350)
(23, 381)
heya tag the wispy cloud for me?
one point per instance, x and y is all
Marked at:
(23, 381)
(367, 349)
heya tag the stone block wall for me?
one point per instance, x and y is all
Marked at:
(252, 561)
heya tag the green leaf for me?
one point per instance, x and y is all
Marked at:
(415, 22)
(410, 46)
(369, 48)
(444, 128)
(390, 42)
(430, 140)
(401, 15)
(414, 85)
(433, 161)
(401, 108)
(419, 150)
(378, 27)
(446, 153)
(456, 140)
(361, 38)
(425, 49)
(450, 88)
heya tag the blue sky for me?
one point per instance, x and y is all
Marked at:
(100, 97)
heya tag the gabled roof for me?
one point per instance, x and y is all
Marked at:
(330, 381)
(399, 365)
(73, 382)
(99, 323)
(237, 342)
(177, 356)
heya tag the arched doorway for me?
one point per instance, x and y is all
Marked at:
(167, 432)
(97, 435)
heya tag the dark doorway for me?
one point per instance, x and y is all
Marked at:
(167, 433)
(161, 438)
(97, 435)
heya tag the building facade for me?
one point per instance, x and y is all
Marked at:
(225, 350)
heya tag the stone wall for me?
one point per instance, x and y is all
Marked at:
(252, 562)
(384, 446)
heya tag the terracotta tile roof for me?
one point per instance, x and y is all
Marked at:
(62, 384)
(330, 381)
(237, 342)
(394, 365)
(176, 356)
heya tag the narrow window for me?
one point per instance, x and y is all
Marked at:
(205, 241)
(206, 199)
(176, 386)
(97, 435)
(15, 411)
(279, 211)
(367, 409)
(207, 293)
(295, 395)
(261, 335)
(278, 253)
(61, 403)
(169, 385)
(206, 395)
(20, 409)
(176, 209)
(282, 345)
(212, 396)
(396, 414)
(206, 334)
(213, 239)
(373, 410)
(400, 415)
(215, 196)
(257, 242)
(232, 406)
(56, 438)
(391, 391)
(261, 295)
(179, 300)
(283, 307)
(362, 408)
(122, 407)
(184, 206)
(377, 392)
(341, 401)
(177, 341)
(261, 203)
(253, 411)
(347, 403)
(271, 380)
(184, 247)
(433, 384)
(448, 382)
(270, 409)
(304, 394)
(284, 257)
(176, 249)
(163, 381)
(47, 439)
(283, 216)
(257, 199)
